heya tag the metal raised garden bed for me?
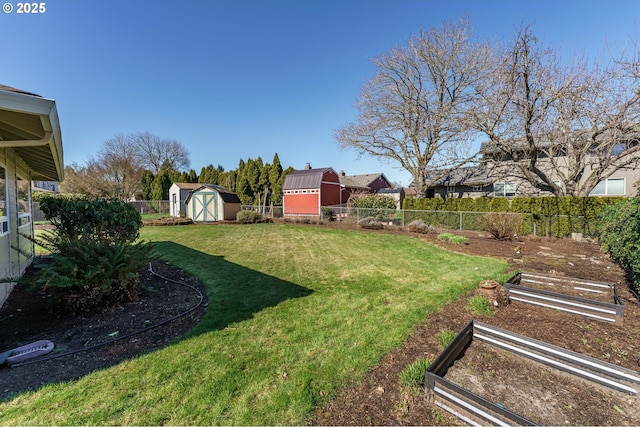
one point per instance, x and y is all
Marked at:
(596, 300)
(476, 410)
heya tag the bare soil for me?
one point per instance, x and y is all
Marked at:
(523, 386)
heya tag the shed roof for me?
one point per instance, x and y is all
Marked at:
(187, 185)
(305, 178)
(227, 196)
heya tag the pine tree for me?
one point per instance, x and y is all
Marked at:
(147, 185)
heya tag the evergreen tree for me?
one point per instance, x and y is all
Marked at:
(275, 184)
(147, 185)
(161, 185)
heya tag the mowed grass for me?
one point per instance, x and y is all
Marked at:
(295, 312)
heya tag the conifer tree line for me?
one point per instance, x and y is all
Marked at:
(256, 183)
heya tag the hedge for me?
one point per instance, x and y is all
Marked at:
(559, 216)
(620, 237)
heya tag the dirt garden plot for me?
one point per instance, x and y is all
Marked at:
(539, 393)
(469, 379)
(589, 298)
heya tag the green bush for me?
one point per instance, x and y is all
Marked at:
(91, 275)
(86, 217)
(452, 238)
(327, 213)
(619, 236)
(375, 205)
(94, 263)
(249, 217)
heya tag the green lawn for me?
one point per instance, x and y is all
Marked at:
(294, 313)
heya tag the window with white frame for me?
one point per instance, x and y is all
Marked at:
(451, 189)
(504, 189)
(609, 187)
(24, 205)
(4, 216)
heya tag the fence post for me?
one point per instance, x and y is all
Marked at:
(460, 220)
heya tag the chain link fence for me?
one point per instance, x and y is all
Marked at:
(532, 224)
(150, 209)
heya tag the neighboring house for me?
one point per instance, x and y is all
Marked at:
(210, 203)
(46, 186)
(495, 178)
(178, 193)
(396, 193)
(507, 184)
(369, 183)
(471, 181)
(306, 191)
(30, 150)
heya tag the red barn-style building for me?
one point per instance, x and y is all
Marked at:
(306, 191)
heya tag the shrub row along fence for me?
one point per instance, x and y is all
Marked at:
(527, 224)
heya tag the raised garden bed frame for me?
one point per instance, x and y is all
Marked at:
(607, 311)
(476, 410)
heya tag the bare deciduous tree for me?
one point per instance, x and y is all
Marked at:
(120, 163)
(411, 112)
(562, 128)
(117, 169)
(157, 152)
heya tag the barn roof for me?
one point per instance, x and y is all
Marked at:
(305, 178)
(227, 196)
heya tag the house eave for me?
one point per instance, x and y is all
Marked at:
(40, 150)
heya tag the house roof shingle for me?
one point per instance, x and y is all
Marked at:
(471, 176)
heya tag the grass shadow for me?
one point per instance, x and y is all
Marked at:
(235, 292)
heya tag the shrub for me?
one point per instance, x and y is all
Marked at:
(378, 206)
(458, 240)
(619, 235)
(94, 263)
(327, 213)
(445, 236)
(452, 238)
(86, 217)
(370, 223)
(249, 217)
(412, 376)
(502, 225)
(418, 226)
(89, 275)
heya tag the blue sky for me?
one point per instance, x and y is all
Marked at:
(240, 79)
